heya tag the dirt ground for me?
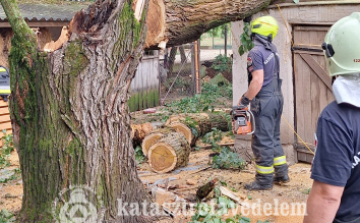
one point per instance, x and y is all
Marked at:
(200, 172)
(11, 192)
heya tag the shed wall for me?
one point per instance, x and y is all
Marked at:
(312, 14)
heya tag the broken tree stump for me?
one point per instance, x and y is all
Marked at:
(195, 125)
(153, 137)
(170, 152)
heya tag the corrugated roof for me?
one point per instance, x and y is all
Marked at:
(46, 12)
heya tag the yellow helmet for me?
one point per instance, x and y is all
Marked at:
(265, 26)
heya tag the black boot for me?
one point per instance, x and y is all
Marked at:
(281, 179)
(281, 174)
(262, 182)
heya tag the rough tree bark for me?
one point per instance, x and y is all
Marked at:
(70, 119)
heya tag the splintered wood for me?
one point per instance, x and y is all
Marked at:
(155, 23)
(44, 41)
(51, 46)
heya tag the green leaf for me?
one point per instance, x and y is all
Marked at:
(230, 220)
(223, 183)
(217, 192)
(241, 50)
(244, 220)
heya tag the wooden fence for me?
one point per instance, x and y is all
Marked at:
(144, 88)
(5, 122)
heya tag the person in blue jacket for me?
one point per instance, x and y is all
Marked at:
(335, 194)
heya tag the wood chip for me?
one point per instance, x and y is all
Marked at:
(191, 182)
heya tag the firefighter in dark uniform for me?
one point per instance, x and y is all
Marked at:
(266, 102)
(335, 194)
(4, 83)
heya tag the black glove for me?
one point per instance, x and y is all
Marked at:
(248, 19)
(244, 101)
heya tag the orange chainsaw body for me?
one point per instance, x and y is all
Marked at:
(242, 121)
(244, 130)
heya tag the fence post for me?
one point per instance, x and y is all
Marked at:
(197, 66)
(193, 69)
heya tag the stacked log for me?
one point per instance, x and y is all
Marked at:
(153, 137)
(193, 126)
(168, 147)
(138, 132)
(170, 152)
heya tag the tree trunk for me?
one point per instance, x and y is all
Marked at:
(193, 126)
(169, 153)
(70, 119)
(176, 22)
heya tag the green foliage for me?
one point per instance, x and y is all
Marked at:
(5, 180)
(6, 149)
(204, 212)
(228, 159)
(222, 63)
(184, 85)
(246, 43)
(211, 94)
(139, 156)
(6, 216)
(219, 31)
(213, 138)
(192, 124)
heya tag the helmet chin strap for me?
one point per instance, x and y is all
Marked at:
(346, 89)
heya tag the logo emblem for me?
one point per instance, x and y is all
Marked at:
(77, 205)
(249, 61)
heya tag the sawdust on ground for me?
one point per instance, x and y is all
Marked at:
(295, 192)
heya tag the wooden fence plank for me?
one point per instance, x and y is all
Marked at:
(4, 110)
(324, 77)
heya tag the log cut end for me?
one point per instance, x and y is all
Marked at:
(149, 141)
(169, 153)
(162, 158)
(183, 129)
(138, 132)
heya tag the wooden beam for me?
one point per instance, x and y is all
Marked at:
(311, 28)
(308, 52)
(312, 23)
(37, 24)
(314, 3)
(324, 77)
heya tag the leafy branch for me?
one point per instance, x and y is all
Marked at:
(246, 43)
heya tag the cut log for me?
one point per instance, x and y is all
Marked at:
(169, 153)
(153, 137)
(195, 125)
(138, 132)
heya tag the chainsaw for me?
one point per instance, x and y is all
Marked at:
(242, 121)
